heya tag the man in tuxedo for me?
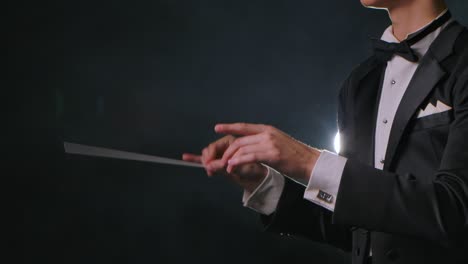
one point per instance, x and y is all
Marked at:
(398, 190)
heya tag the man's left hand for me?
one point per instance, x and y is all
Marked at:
(270, 146)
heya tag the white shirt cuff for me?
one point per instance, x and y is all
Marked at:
(264, 199)
(325, 180)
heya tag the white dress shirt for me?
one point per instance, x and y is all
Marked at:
(327, 173)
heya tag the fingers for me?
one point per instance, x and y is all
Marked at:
(197, 159)
(215, 166)
(215, 149)
(219, 165)
(191, 157)
(239, 143)
(239, 158)
(213, 152)
(248, 154)
(253, 157)
(242, 129)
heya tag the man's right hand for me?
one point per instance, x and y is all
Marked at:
(248, 176)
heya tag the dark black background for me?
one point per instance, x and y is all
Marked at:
(155, 77)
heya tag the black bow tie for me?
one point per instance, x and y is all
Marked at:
(384, 51)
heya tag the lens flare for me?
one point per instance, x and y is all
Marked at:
(337, 143)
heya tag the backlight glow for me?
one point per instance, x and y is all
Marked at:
(337, 143)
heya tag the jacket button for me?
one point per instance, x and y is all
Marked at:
(392, 254)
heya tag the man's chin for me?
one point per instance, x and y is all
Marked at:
(377, 4)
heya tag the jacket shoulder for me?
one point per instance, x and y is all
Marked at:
(457, 63)
(461, 44)
(362, 68)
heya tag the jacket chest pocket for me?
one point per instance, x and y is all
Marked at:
(432, 121)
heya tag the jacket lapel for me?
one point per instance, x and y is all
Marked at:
(364, 100)
(426, 77)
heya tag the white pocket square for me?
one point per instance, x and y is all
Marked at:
(431, 109)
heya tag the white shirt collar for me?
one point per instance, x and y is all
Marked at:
(423, 45)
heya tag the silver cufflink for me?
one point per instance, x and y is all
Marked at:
(326, 197)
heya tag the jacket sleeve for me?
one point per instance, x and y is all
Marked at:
(299, 217)
(408, 204)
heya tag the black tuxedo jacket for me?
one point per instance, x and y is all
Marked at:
(416, 209)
